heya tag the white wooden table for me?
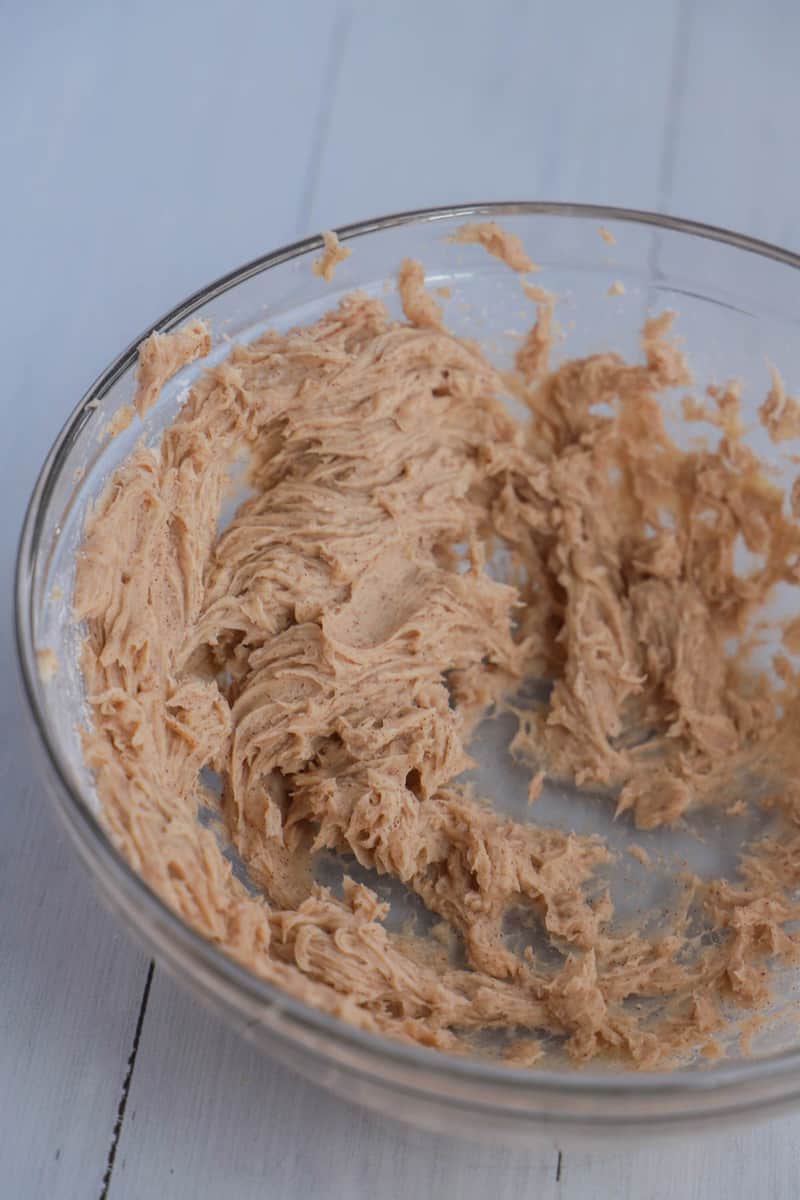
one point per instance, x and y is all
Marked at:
(147, 147)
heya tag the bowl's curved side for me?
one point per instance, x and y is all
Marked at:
(410, 1082)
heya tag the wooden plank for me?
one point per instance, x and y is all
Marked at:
(442, 103)
(69, 992)
(763, 1160)
(158, 147)
(69, 982)
(148, 148)
(209, 1116)
(733, 156)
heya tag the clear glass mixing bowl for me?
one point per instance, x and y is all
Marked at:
(738, 303)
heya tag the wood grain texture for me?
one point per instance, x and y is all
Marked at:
(210, 1117)
(69, 988)
(443, 103)
(762, 1161)
(69, 981)
(732, 153)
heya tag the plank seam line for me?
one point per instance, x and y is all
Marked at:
(675, 102)
(671, 130)
(322, 123)
(126, 1086)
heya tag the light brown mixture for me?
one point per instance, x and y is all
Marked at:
(120, 421)
(333, 253)
(161, 355)
(780, 413)
(330, 653)
(498, 242)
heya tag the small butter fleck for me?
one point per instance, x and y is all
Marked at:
(48, 663)
(120, 421)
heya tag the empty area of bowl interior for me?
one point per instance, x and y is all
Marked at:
(730, 329)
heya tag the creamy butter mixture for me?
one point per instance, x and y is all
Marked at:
(330, 653)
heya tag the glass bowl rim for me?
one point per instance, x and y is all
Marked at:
(145, 906)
